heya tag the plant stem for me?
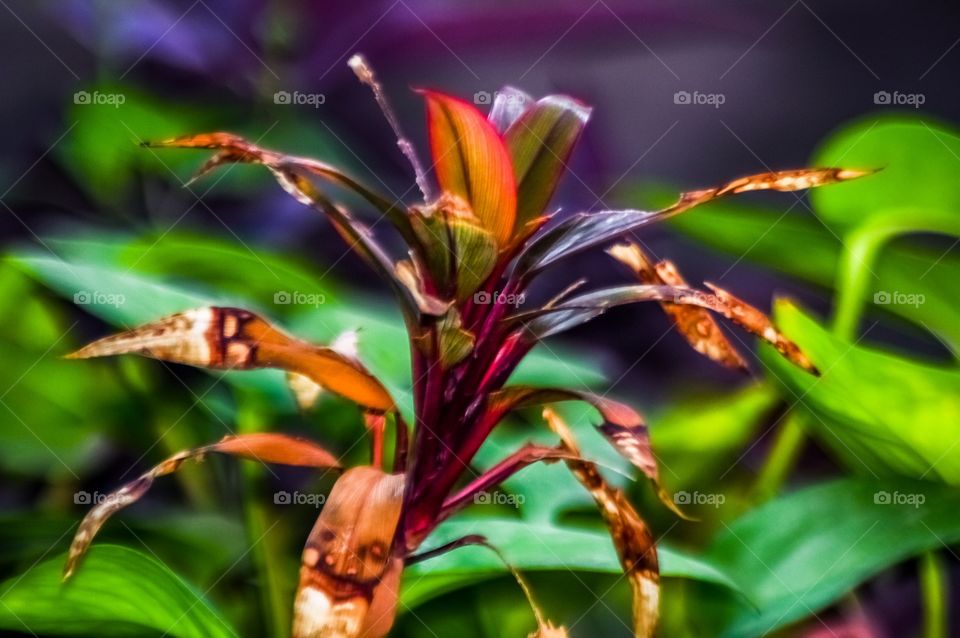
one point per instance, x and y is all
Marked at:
(265, 549)
(934, 586)
(781, 459)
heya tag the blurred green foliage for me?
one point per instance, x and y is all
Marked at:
(887, 417)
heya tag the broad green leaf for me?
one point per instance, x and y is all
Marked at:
(127, 283)
(109, 123)
(47, 406)
(892, 414)
(801, 552)
(533, 546)
(921, 168)
(258, 275)
(696, 435)
(117, 592)
(472, 162)
(540, 142)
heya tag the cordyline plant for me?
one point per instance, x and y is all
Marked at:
(475, 246)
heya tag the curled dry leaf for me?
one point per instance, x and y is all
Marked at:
(349, 575)
(289, 172)
(623, 427)
(234, 339)
(695, 324)
(263, 447)
(631, 537)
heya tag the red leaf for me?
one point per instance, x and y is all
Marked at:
(472, 162)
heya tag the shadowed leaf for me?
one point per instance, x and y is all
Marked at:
(540, 142)
(459, 253)
(622, 426)
(121, 592)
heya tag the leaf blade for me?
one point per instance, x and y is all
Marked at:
(472, 162)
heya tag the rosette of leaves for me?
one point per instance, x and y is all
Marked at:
(475, 244)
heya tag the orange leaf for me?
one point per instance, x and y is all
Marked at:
(472, 162)
(235, 339)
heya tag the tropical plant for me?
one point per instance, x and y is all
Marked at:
(475, 247)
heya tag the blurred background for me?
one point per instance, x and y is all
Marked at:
(686, 95)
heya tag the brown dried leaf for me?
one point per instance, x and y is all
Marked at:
(234, 339)
(752, 319)
(264, 447)
(792, 180)
(631, 537)
(622, 426)
(696, 324)
(547, 321)
(349, 574)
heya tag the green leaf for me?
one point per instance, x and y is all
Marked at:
(460, 253)
(697, 436)
(920, 166)
(153, 277)
(892, 414)
(540, 142)
(117, 592)
(798, 554)
(533, 546)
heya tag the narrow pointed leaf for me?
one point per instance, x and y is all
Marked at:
(573, 312)
(472, 162)
(696, 324)
(540, 142)
(263, 447)
(631, 536)
(289, 173)
(235, 149)
(586, 230)
(234, 339)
